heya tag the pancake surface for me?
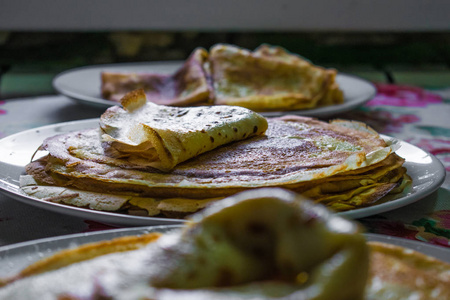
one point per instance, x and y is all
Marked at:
(399, 273)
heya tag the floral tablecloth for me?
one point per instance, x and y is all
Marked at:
(412, 114)
(421, 118)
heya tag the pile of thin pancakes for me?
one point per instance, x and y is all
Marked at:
(152, 160)
(267, 79)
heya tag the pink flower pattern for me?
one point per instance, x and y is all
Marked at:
(2, 112)
(396, 110)
(432, 229)
(403, 96)
(384, 121)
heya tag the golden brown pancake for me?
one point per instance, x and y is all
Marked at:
(270, 79)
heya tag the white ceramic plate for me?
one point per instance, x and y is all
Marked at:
(16, 151)
(83, 85)
(14, 258)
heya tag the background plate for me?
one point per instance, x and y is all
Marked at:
(83, 85)
(16, 151)
(14, 258)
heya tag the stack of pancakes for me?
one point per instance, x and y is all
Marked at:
(343, 165)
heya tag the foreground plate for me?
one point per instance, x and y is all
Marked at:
(16, 151)
(14, 258)
(83, 84)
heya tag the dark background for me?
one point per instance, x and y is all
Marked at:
(29, 60)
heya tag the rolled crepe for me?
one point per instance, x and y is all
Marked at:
(162, 136)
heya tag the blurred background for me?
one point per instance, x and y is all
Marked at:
(404, 42)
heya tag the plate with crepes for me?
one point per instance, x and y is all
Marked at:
(231, 76)
(248, 246)
(16, 151)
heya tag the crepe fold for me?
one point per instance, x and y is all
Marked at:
(270, 79)
(344, 165)
(267, 79)
(162, 137)
(187, 86)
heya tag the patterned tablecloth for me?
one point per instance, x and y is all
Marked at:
(411, 114)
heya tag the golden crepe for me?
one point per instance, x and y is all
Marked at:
(344, 165)
(162, 136)
(270, 79)
(260, 244)
(267, 79)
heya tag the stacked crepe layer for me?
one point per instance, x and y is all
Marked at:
(260, 244)
(344, 165)
(267, 79)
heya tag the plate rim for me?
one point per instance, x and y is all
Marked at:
(99, 102)
(33, 248)
(102, 233)
(130, 220)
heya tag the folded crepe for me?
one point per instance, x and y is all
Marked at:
(162, 136)
(344, 165)
(260, 244)
(187, 86)
(270, 79)
(267, 79)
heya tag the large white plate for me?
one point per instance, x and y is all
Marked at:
(14, 258)
(16, 150)
(83, 85)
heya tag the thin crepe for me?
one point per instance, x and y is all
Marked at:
(162, 136)
(270, 79)
(187, 86)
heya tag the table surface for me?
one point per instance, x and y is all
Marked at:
(412, 114)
